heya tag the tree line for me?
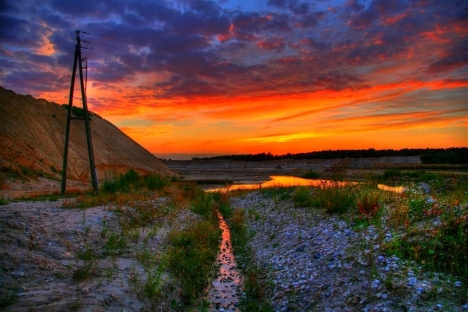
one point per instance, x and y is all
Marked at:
(454, 155)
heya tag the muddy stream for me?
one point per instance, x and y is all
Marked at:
(224, 293)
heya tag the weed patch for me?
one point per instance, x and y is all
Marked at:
(203, 205)
(256, 286)
(301, 196)
(191, 257)
(116, 243)
(368, 207)
(334, 198)
(3, 201)
(84, 271)
(132, 180)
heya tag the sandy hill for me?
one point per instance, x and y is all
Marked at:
(32, 133)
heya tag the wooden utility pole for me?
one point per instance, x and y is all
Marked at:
(78, 60)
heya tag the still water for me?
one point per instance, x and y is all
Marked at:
(287, 181)
(279, 181)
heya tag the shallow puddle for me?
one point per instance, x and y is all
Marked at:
(225, 290)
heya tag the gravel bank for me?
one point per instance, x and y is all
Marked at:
(318, 262)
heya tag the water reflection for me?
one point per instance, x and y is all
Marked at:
(225, 289)
(280, 181)
(396, 189)
(286, 181)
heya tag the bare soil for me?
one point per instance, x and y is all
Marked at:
(44, 264)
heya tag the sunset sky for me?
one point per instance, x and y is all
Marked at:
(217, 77)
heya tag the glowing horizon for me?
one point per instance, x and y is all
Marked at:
(279, 76)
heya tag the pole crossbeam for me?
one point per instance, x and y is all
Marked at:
(78, 61)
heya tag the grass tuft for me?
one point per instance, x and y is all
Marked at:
(192, 255)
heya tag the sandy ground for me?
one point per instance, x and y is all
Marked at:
(42, 246)
(40, 243)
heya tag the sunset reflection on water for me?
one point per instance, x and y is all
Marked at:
(279, 181)
(396, 189)
(287, 181)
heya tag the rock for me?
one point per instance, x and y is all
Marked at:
(300, 248)
(18, 274)
(424, 187)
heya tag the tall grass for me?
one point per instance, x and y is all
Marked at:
(429, 221)
(332, 196)
(130, 180)
(433, 233)
(191, 257)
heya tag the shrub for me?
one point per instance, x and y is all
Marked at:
(131, 180)
(368, 207)
(110, 186)
(301, 196)
(129, 177)
(203, 205)
(155, 182)
(310, 175)
(334, 198)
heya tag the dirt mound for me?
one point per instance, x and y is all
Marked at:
(32, 133)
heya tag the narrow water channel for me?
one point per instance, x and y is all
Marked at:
(225, 290)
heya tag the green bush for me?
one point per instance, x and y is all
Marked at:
(310, 175)
(110, 186)
(155, 182)
(203, 205)
(301, 196)
(132, 180)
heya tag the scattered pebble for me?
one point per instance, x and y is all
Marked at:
(320, 263)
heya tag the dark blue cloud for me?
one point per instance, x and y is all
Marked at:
(28, 81)
(455, 57)
(354, 5)
(303, 42)
(309, 20)
(19, 32)
(87, 8)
